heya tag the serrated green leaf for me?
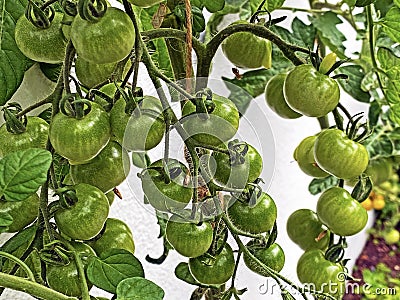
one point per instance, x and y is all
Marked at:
(383, 6)
(374, 113)
(301, 34)
(379, 145)
(318, 185)
(394, 113)
(391, 24)
(112, 267)
(352, 85)
(387, 59)
(13, 63)
(392, 85)
(139, 289)
(383, 41)
(5, 220)
(23, 172)
(269, 5)
(214, 5)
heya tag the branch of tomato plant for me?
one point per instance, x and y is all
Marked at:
(69, 57)
(19, 262)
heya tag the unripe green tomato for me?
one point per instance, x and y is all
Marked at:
(273, 257)
(327, 63)
(42, 45)
(392, 237)
(380, 170)
(276, 100)
(145, 3)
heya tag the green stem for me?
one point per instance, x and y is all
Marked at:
(43, 205)
(69, 57)
(23, 265)
(237, 231)
(323, 122)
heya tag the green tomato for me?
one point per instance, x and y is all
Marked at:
(254, 219)
(380, 170)
(145, 3)
(215, 271)
(106, 171)
(35, 136)
(342, 214)
(220, 126)
(246, 50)
(189, 239)
(327, 63)
(392, 236)
(323, 275)
(336, 154)
(80, 140)
(310, 92)
(273, 257)
(108, 40)
(304, 155)
(276, 100)
(303, 228)
(85, 218)
(115, 235)
(143, 130)
(23, 212)
(42, 45)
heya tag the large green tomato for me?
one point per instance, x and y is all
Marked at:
(220, 126)
(273, 257)
(23, 212)
(246, 50)
(304, 155)
(80, 140)
(321, 274)
(342, 214)
(303, 228)
(108, 40)
(336, 154)
(85, 218)
(42, 45)
(380, 170)
(35, 136)
(310, 92)
(143, 130)
(213, 271)
(276, 100)
(254, 219)
(145, 3)
(189, 239)
(106, 171)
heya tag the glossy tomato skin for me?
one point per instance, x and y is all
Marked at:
(310, 92)
(342, 214)
(85, 137)
(304, 155)
(336, 154)
(85, 219)
(35, 136)
(273, 257)
(303, 227)
(108, 40)
(213, 272)
(163, 193)
(254, 219)
(221, 125)
(276, 100)
(23, 212)
(142, 130)
(106, 171)
(42, 45)
(236, 175)
(189, 239)
(314, 269)
(145, 3)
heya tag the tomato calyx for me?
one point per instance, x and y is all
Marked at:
(335, 252)
(237, 152)
(70, 7)
(204, 103)
(67, 197)
(14, 124)
(55, 253)
(39, 17)
(92, 10)
(168, 172)
(328, 64)
(250, 194)
(73, 106)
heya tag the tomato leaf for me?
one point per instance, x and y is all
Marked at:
(52, 72)
(23, 172)
(112, 267)
(13, 63)
(374, 112)
(318, 185)
(137, 288)
(5, 220)
(352, 85)
(391, 24)
(301, 34)
(394, 113)
(269, 5)
(214, 5)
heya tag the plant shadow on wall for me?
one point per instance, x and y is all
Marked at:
(80, 148)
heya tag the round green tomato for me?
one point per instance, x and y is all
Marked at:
(116, 235)
(392, 237)
(42, 45)
(304, 155)
(189, 239)
(236, 175)
(254, 219)
(35, 136)
(164, 191)
(310, 92)
(143, 130)
(246, 50)
(108, 40)
(213, 271)
(80, 140)
(84, 219)
(380, 170)
(273, 257)
(303, 228)
(145, 3)
(342, 214)
(220, 126)
(276, 100)
(321, 274)
(106, 171)
(336, 154)
(23, 212)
